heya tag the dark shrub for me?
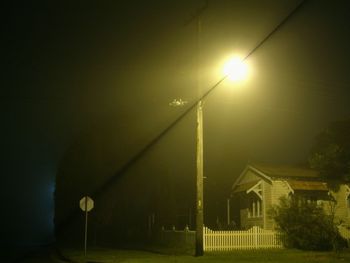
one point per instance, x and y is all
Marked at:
(306, 226)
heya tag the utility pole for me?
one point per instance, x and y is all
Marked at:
(228, 212)
(199, 250)
(199, 183)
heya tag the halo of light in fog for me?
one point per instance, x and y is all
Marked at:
(235, 69)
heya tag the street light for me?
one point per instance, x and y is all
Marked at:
(236, 70)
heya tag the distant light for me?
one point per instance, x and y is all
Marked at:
(235, 69)
(177, 103)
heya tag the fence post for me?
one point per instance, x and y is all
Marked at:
(204, 238)
(255, 231)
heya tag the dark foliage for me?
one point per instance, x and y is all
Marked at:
(331, 152)
(307, 226)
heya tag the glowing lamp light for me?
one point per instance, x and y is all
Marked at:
(235, 69)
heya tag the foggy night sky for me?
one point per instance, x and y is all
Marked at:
(71, 69)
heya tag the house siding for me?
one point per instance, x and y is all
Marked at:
(244, 217)
(247, 223)
(342, 212)
(267, 197)
(279, 189)
(272, 194)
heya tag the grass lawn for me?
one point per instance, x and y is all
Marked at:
(280, 256)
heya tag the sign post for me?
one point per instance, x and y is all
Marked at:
(86, 204)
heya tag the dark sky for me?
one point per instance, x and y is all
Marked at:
(72, 67)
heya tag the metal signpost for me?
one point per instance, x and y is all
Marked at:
(86, 204)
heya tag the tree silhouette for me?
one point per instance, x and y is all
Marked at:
(330, 153)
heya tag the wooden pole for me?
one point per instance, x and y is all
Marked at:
(199, 183)
(199, 251)
(228, 211)
(86, 225)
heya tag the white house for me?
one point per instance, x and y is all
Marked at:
(259, 187)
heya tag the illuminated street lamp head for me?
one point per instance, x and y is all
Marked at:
(235, 69)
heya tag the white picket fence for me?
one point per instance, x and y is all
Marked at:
(254, 238)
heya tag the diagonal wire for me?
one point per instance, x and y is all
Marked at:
(153, 142)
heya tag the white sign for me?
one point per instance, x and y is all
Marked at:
(86, 204)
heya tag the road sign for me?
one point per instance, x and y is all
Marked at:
(86, 204)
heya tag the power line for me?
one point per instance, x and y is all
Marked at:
(261, 43)
(153, 142)
(294, 11)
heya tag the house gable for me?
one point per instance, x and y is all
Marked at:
(252, 183)
(257, 189)
(250, 175)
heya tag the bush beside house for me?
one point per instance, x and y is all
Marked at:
(307, 226)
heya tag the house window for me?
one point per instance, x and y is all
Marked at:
(306, 199)
(255, 208)
(311, 200)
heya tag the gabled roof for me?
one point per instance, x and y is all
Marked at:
(247, 168)
(298, 178)
(244, 187)
(285, 171)
(307, 185)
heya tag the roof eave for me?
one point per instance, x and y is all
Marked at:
(250, 167)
